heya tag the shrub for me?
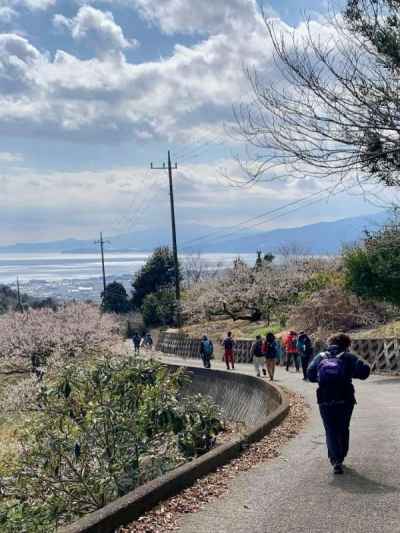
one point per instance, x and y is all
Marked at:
(101, 431)
(157, 274)
(159, 309)
(372, 269)
(334, 309)
(115, 299)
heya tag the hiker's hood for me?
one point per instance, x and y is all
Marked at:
(333, 349)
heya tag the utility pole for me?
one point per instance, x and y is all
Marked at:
(173, 224)
(102, 242)
(19, 304)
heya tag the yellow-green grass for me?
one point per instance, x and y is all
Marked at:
(386, 331)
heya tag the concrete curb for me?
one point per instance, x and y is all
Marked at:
(136, 503)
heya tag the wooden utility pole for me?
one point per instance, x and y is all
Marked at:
(102, 242)
(173, 224)
(19, 304)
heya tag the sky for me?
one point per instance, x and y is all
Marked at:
(92, 92)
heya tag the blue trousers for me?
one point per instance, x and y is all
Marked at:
(336, 418)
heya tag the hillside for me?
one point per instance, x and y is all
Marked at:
(319, 238)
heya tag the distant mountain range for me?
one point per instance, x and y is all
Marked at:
(320, 238)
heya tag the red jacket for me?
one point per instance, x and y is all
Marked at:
(291, 343)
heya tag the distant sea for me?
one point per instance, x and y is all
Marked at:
(78, 276)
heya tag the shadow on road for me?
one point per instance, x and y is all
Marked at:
(355, 483)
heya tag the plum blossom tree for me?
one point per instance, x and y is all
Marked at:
(247, 293)
(38, 336)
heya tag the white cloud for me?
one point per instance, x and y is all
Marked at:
(97, 28)
(182, 16)
(107, 99)
(9, 157)
(19, 61)
(9, 7)
(120, 199)
(7, 13)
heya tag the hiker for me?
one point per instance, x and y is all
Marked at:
(305, 349)
(334, 370)
(206, 351)
(291, 350)
(228, 344)
(148, 341)
(136, 339)
(270, 352)
(257, 356)
(279, 352)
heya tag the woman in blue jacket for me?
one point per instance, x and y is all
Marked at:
(334, 371)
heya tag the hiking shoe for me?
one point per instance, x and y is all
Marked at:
(338, 468)
(264, 372)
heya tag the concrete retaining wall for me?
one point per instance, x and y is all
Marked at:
(256, 403)
(242, 398)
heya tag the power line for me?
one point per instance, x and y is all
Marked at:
(252, 219)
(276, 213)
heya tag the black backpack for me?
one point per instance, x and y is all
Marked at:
(258, 349)
(228, 343)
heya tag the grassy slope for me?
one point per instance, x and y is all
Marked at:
(241, 329)
(389, 330)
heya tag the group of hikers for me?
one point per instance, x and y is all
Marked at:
(265, 353)
(333, 369)
(145, 341)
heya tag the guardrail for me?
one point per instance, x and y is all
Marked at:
(382, 354)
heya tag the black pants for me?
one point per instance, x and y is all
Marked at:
(305, 361)
(206, 360)
(295, 357)
(336, 418)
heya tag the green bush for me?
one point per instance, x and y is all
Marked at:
(372, 269)
(157, 274)
(159, 309)
(101, 432)
(115, 299)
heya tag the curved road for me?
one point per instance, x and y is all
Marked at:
(297, 491)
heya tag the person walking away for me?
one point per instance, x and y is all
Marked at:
(257, 356)
(148, 341)
(270, 352)
(279, 352)
(305, 349)
(228, 344)
(334, 371)
(206, 351)
(291, 350)
(136, 339)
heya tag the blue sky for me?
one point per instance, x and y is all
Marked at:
(91, 93)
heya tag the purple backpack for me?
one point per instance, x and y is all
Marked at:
(331, 370)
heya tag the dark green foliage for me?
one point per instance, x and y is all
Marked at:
(9, 301)
(101, 432)
(159, 309)
(49, 303)
(269, 257)
(372, 269)
(379, 22)
(158, 273)
(115, 299)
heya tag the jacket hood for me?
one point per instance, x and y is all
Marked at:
(333, 349)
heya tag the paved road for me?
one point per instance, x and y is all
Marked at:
(298, 493)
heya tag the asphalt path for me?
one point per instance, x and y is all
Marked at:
(297, 492)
